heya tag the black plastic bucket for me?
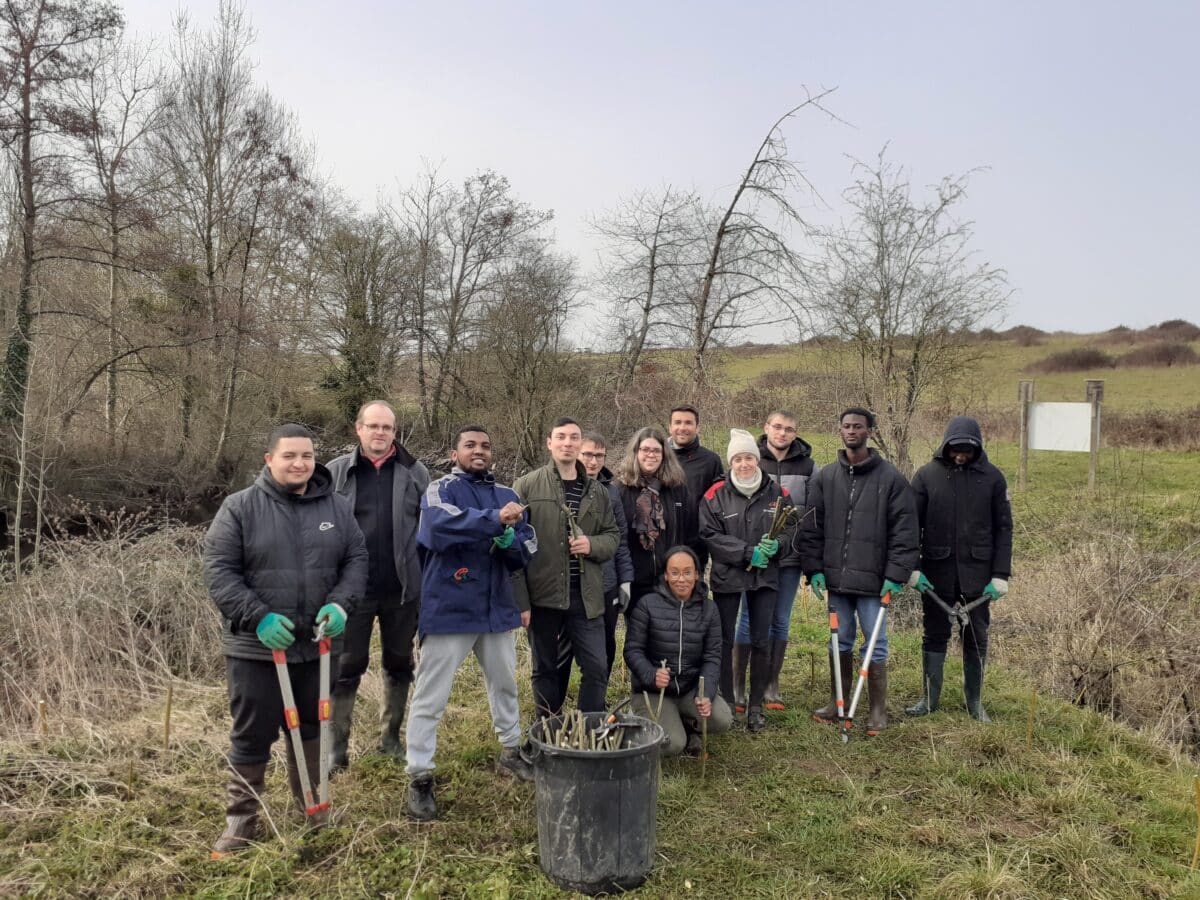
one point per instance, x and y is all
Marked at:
(597, 810)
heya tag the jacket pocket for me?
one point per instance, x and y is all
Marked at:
(981, 551)
(940, 553)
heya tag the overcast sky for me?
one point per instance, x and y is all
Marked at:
(1085, 115)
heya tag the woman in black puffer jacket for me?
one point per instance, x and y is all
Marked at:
(674, 639)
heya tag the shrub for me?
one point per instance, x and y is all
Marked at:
(1174, 330)
(1159, 355)
(1025, 335)
(1078, 359)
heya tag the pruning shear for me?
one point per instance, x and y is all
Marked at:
(960, 614)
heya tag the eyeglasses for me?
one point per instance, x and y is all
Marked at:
(650, 451)
(594, 455)
(384, 428)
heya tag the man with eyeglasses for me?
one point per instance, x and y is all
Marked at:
(384, 483)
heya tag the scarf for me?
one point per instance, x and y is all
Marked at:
(649, 519)
(747, 488)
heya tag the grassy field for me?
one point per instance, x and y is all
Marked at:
(939, 807)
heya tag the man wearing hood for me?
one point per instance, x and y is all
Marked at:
(384, 484)
(860, 543)
(787, 460)
(280, 557)
(674, 640)
(966, 552)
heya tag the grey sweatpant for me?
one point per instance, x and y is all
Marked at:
(441, 655)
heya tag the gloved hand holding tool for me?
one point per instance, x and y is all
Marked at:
(275, 631)
(332, 620)
(816, 583)
(996, 589)
(504, 540)
(919, 582)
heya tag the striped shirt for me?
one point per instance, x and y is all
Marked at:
(573, 492)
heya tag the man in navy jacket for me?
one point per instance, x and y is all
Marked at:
(476, 534)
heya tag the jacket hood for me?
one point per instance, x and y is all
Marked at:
(800, 449)
(961, 430)
(482, 477)
(605, 477)
(319, 485)
(684, 448)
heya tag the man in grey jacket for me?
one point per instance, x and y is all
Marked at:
(384, 485)
(280, 557)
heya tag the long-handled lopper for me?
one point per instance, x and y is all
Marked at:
(848, 722)
(291, 716)
(838, 688)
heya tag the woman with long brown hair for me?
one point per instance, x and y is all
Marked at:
(659, 509)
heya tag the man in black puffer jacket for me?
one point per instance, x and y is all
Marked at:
(674, 639)
(280, 557)
(966, 552)
(860, 544)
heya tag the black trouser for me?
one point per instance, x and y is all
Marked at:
(256, 706)
(938, 628)
(397, 625)
(586, 636)
(566, 652)
(760, 603)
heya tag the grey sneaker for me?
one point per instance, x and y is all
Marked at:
(512, 763)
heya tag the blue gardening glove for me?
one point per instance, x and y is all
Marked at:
(996, 589)
(920, 582)
(890, 587)
(759, 559)
(504, 540)
(335, 619)
(816, 582)
(275, 631)
(769, 546)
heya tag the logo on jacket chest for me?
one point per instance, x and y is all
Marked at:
(462, 575)
(325, 526)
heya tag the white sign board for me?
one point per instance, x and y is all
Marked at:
(1060, 426)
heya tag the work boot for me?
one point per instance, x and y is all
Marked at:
(772, 698)
(312, 760)
(741, 659)
(421, 804)
(877, 695)
(511, 763)
(755, 720)
(932, 665)
(395, 699)
(828, 714)
(339, 726)
(973, 688)
(245, 786)
(695, 743)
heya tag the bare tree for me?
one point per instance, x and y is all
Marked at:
(45, 45)
(900, 284)
(751, 274)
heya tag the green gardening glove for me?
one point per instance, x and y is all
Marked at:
(920, 582)
(275, 631)
(335, 619)
(759, 558)
(769, 546)
(890, 587)
(996, 589)
(504, 540)
(816, 582)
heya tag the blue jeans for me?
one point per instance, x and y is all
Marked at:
(867, 609)
(789, 585)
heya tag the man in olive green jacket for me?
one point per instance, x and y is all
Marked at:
(563, 586)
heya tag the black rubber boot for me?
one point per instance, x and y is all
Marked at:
(343, 716)
(756, 721)
(973, 688)
(828, 714)
(512, 763)
(395, 699)
(877, 719)
(772, 698)
(312, 760)
(246, 784)
(932, 665)
(421, 803)
(741, 659)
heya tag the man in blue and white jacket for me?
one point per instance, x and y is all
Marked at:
(475, 534)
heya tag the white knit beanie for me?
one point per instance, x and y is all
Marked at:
(740, 442)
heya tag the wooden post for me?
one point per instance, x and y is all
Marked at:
(43, 727)
(167, 718)
(1095, 396)
(1025, 398)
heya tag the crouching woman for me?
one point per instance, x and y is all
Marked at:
(674, 639)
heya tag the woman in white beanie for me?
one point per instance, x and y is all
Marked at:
(735, 516)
